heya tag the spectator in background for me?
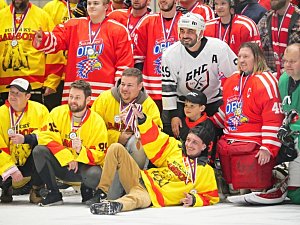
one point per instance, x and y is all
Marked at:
(251, 9)
(231, 28)
(275, 35)
(99, 49)
(18, 59)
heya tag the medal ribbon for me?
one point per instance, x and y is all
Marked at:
(67, 4)
(16, 29)
(91, 36)
(75, 128)
(131, 119)
(192, 169)
(167, 35)
(241, 85)
(14, 124)
(135, 25)
(220, 32)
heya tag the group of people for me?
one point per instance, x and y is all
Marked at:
(149, 100)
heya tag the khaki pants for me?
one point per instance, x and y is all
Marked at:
(118, 159)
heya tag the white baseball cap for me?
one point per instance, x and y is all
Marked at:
(21, 84)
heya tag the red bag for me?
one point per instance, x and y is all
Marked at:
(240, 167)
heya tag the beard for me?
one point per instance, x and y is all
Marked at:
(188, 44)
(20, 7)
(168, 9)
(77, 108)
(140, 6)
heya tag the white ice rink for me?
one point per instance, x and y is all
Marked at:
(73, 212)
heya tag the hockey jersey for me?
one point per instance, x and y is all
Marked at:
(22, 60)
(173, 177)
(185, 73)
(252, 110)
(92, 132)
(204, 10)
(2, 4)
(31, 122)
(108, 107)
(149, 47)
(100, 61)
(242, 29)
(125, 17)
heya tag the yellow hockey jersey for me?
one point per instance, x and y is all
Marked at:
(92, 132)
(108, 108)
(2, 4)
(21, 59)
(31, 122)
(174, 176)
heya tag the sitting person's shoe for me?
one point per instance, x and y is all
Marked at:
(106, 208)
(34, 194)
(86, 193)
(99, 196)
(52, 198)
(6, 195)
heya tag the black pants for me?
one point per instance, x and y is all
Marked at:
(28, 169)
(49, 168)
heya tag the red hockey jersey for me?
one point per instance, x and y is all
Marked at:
(125, 17)
(242, 29)
(153, 35)
(252, 110)
(100, 61)
(204, 10)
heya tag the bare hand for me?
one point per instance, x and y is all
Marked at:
(77, 144)
(17, 176)
(73, 165)
(17, 139)
(176, 124)
(187, 201)
(38, 37)
(124, 137)
(263, 156)
(48, 91)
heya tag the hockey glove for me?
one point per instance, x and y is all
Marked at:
(80, 10)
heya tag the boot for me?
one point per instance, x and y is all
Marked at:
(98, 197)
(86, 193)
(34, 194)
(106, 208)
(54, 197)
(6, 195)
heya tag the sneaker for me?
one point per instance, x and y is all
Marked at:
(99, 196)
(6, 195)
(86, 193)
(106, 208)
(34, 195)
(52, 198)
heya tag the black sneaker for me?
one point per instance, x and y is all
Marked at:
(52, 198)
(6, 194)
(106, 208)
(86, 193)
(99, 196)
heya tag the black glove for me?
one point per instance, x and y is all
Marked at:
(286, 153)
(80, 10)
(283, 132)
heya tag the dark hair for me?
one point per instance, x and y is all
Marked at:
(260, 64)
(82, 85)
(133, 72)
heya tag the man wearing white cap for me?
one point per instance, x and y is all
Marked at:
(21, 120)
(203, 62)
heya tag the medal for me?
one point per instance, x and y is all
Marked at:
(10, 131)
(72, 135)
(117, 119)
(91, 52)
(193, 191)
(14, 43)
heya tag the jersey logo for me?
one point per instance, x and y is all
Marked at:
(157, 67)
(198, 78)
(237, 118)
(88, 65)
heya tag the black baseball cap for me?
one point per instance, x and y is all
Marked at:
(196, 97)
